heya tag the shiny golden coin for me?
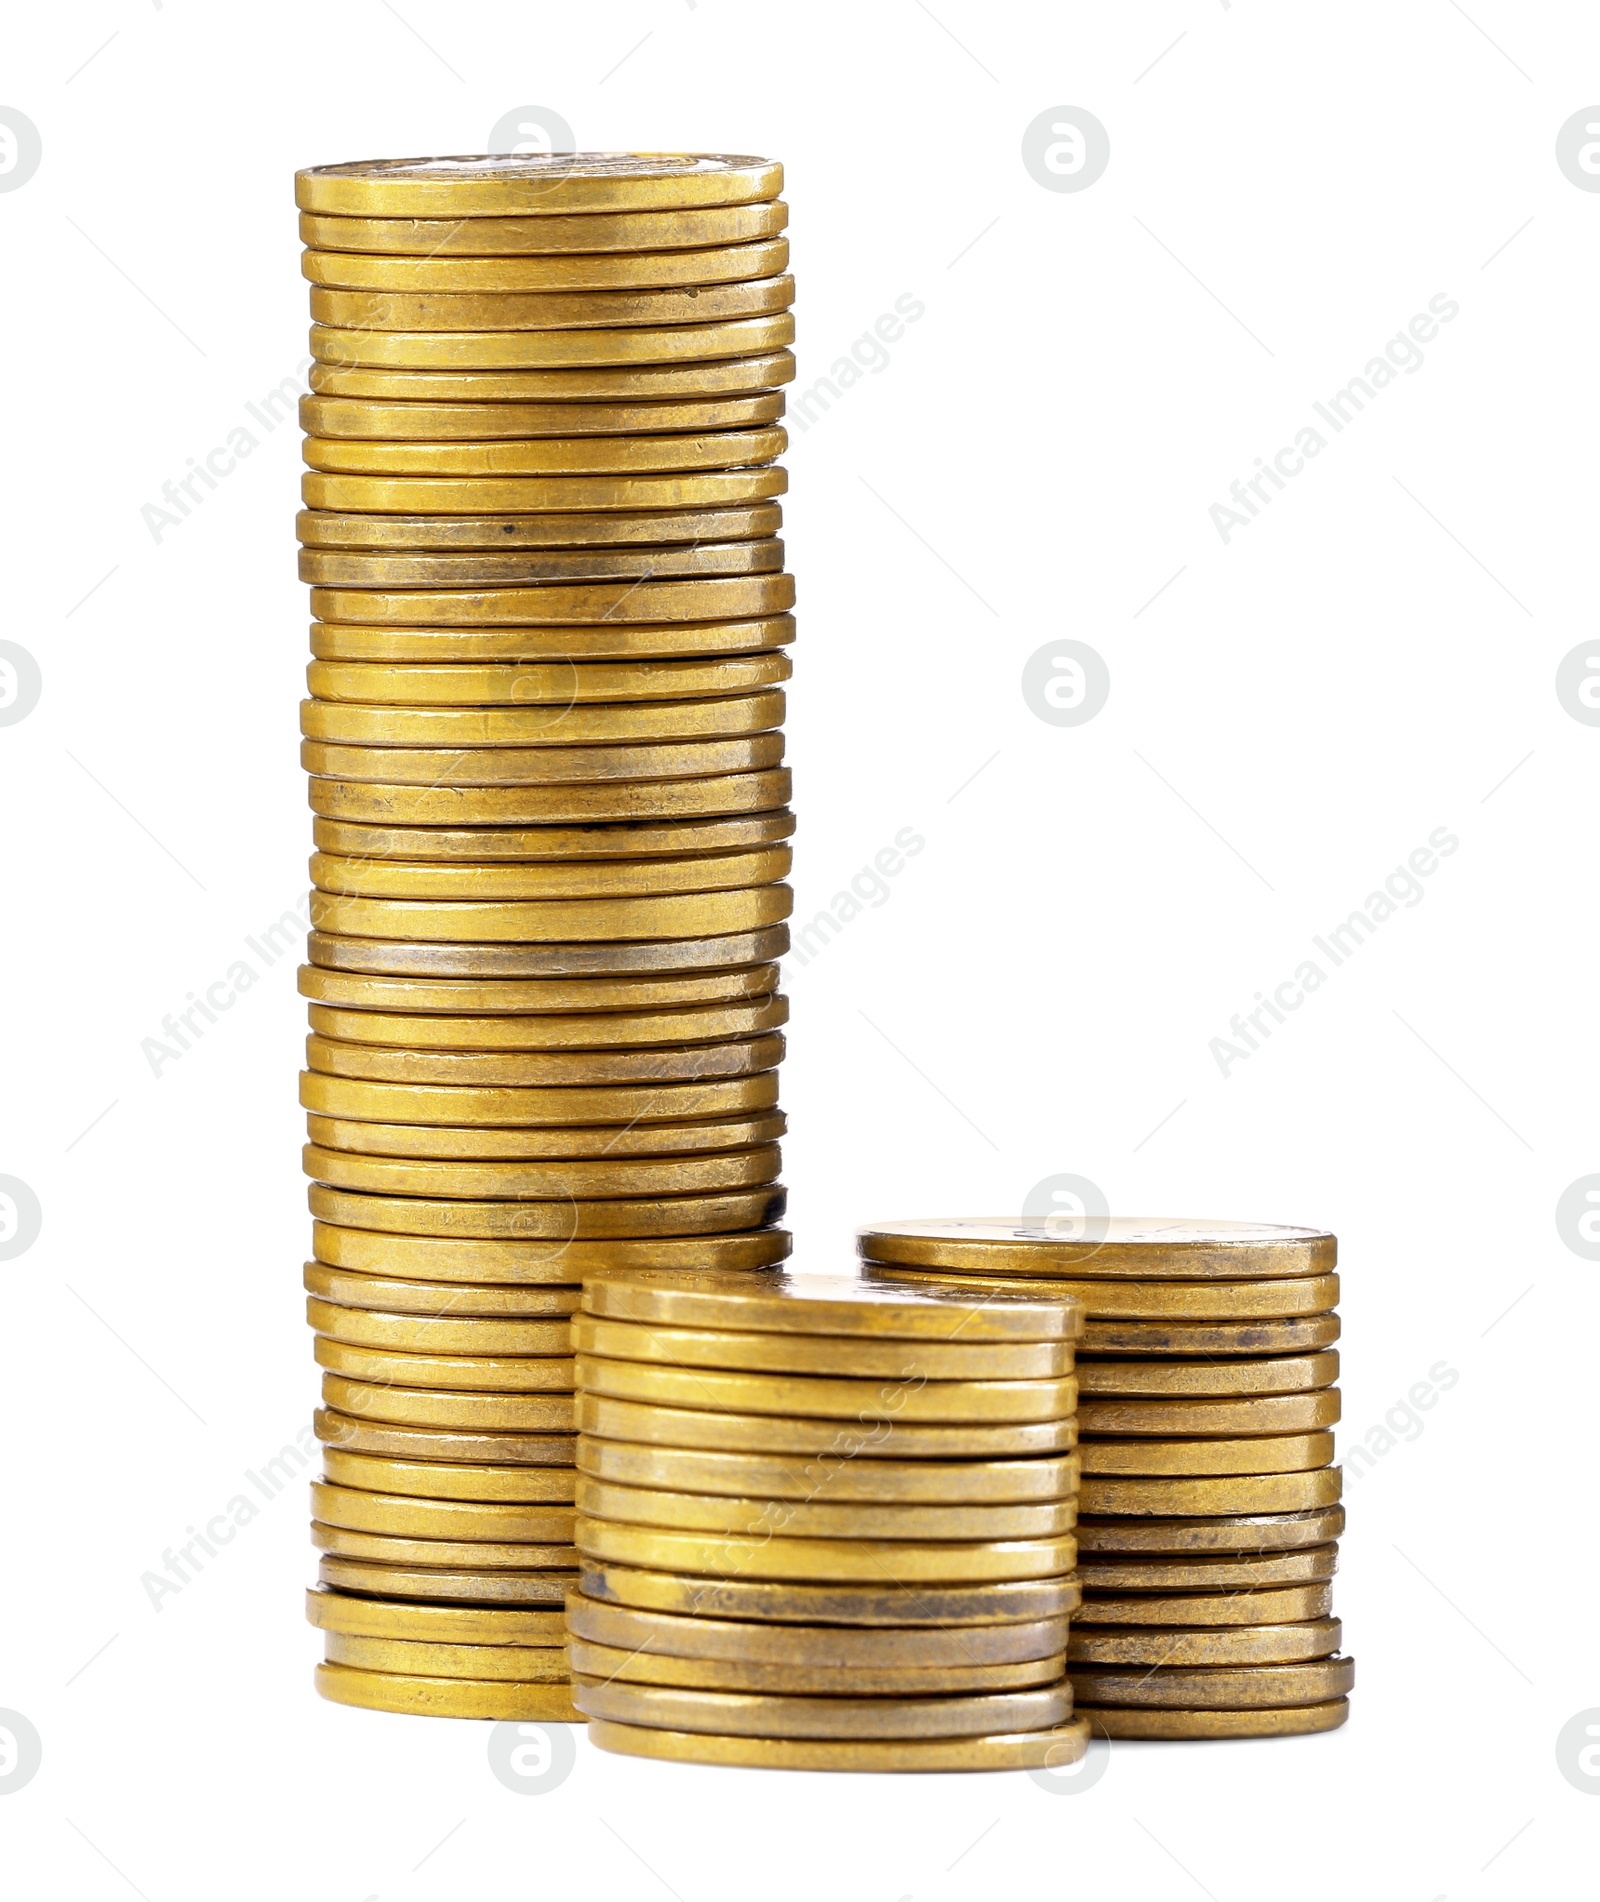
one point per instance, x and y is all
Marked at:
(485, 1555)
(828, 1647)
(451, 1373)
(607, 1664)
(546, 455)
(582, 1030)
(462, 1589)
(1109, 1299)
(1232, 1495)
(503, 1663)
(824, 1561)
(344, 568)
(625, 801)
(486, 348)
(727, 597)
(565, 648)
(607, 845)
(557, 494)
(849, 1438)
(1218, 1338)
(455, 1412)
(1263, 1453)
(1174, 1726)
(1054, 1749)
(1173, 1379)
(542, 1145)
(728, 1713)
(351, 419)
(1164, 1248)
(1275, 1414)
(434, 1624)
(491, 237)
(552, 764)
(1241, 1531)
(442, 1105)
(454, 274)
(563, 1222)
(357, 990)
(883, 1603)
(671, 1175)
(342, 1432)
(555, 683)
(1236, 1644)
(520, 961)
(536, 183)
(818, 1518)
(746, 375)
(453, 1519)
(448, 1333)
(429, 1479)
(826, 1305)
(1175, 1610)
(386, 1294)
(557, 921)
(1209, 1577)
(446, 1697)
(429, 1258)
(666, 1062)
(1216, 1687)
(876, 1482)
(561, 878)
(497, 535)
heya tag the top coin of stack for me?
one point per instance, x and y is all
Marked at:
(1210, 1502)
(552, 832)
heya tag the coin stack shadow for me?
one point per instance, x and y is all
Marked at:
(1210, 1502)
(824, 1526)
(551, 830)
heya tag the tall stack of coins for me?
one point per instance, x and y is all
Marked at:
(1210, 1502)
(824, 1526)
(551, 831)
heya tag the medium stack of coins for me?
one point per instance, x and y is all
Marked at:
(551, 833)
(824, 1526)
(1210, 1502)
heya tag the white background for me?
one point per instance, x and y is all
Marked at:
(1288, 719)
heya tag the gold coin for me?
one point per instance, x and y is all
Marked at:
(1262, 1453)
(877, 1482)
(563, 1222)
(827, 1304)
(343, 1432)
(542, 1145)
(347, 568)
(385, 1404)
(1216, 1687)
(1286, 1604)
(607, 1664)
(824, 1561)
(582, 1030)
(1155, 1300)
(578, 604)
(604, 231)
(1213, 1577)
(1173, 1726)
(465, 317)
(562, 647)
(546, 455)
(479, 495)
(1242, 1529)
(1277, 1414)
(396, 1516)
(385, 1294)
(564, 878)
(362, 990)
(536, 183)
(547, 765)
(498, 535)
(560, 271)
(358, 420)
(750, 374)
(447, 1333)
(586, 961)
(434, 1624)
(628, 801)
(485, 1555)
(565, 349)
(1165, 1248)
(505, 1663)
(819, 1518)
(446, 1697)
(607, 844)
(882, 1603)
(1234, 1494)
(672, 1175)
(429, 1258)
(543, 683)
(1302, 1374)
(827, 1647)
(1214, 1338)
(555, 1109)
(1236, 1645)
(846, 1438)
(666, 1062)
(430, 1479)
(466, 1589)
(1053, 1748)
(728, 716)
(558, 921)
(452, 1373)
(729, 1713)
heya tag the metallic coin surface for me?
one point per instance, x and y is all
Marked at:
(556, 920)
(533, 1262)
(359, 990)
(518, 961)
(517, 1145)
(534, 683)
(742, 375)
(728, 1713)
(496, 535)
(540, 184)
(599, 802)
(554, 272)
(1216, 1574)
(1172, 1379)
(1054, 1749)
(1242, 1531)
(347, 568)
(666, 1063)
(363, 1435)
(1220, 1338)
(1232, 1644)
(433, 1624)
(428, 1479)
(606, 1664)
(518, 236)
(1234, 1495)
(355, 419)
(562, 878)
(446, 1697)
(1276, 1413)
(1288, 1453)
(454, 1411)
(400, 1517)
(388, 1294)
(551, 350)
(726, 597)
(453, 1373)
(485, 1555)
(1135, 1300)
(474, 1589)
(633, 1218)
(1215, 1687)
(503, 1663)
(1178, 1725)
(440, 1334)
(1166, 1248)
(545, 1181)
(1180, 1609)
(339, 723)
(558, 1107)
(546, 455)
(473, 318)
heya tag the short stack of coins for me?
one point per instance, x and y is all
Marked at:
(551, 830)
(823, 1525)
(1210, 1503)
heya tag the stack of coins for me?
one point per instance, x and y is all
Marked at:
(824, 1526)
(551, 831)
(1210, 1502)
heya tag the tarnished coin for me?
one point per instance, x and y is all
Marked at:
(1135, 1300)
(1054, 1749)
(536, 183)
(552, 350)
(534, 1262)
(486, 1555)
(1279, 1413)
(1249, 1494)
(1182, 1609)
(453, 273)
(473, 318)
(1173, 1379)
(503, 1663)
(396, 1516)
(433, 1624)
(553, 879)
(430, 1479)
(546, 455)
(560, 682)
(446, 1697)
(734, 951)
(727, 1713)
(725, 597)
(546, 1181)
(389, 1295)
(666, 1063)
(1166, 1248)
(346, 568)
(1265, 1453)
(546, 235)
(1215, 1687)
(453, 1411)
(608, 1665)
(559, 1221)
(1172, 1726)
(498, 535)
(598, 802)
(384, 1439)
(468, 1588)
(1221, 1338)
(586, 383)
(518, 1145)
(1243, 1531)
(1232, 1644)
(1213, 1576)
(733, 716)
(438, 1333)
(558, 1107)
(453, 1373)
(360, 990)
(556, 920)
